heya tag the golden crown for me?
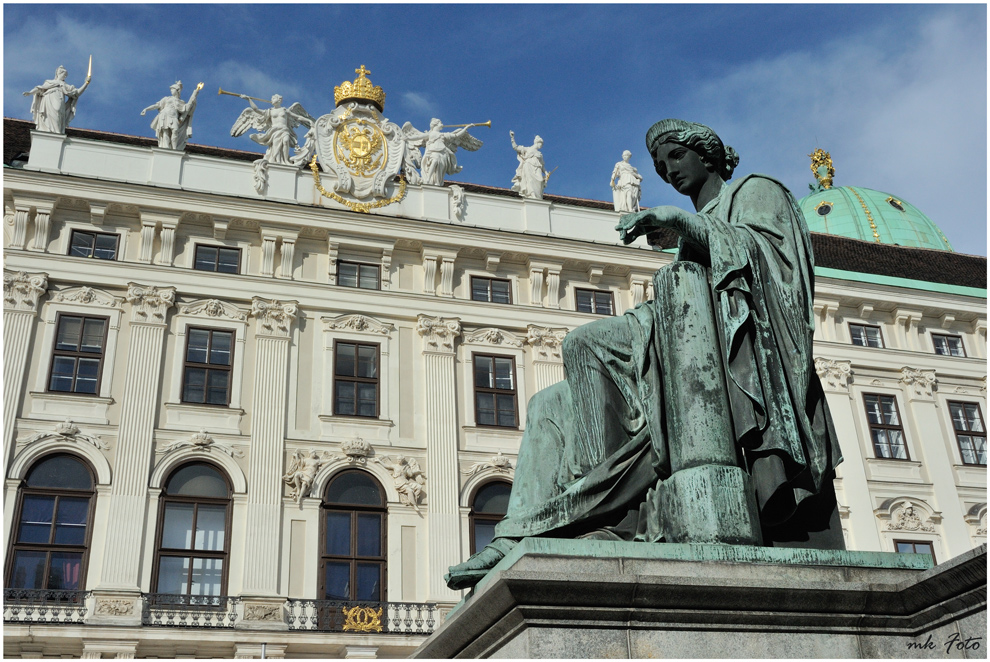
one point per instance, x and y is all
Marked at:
(360, 90)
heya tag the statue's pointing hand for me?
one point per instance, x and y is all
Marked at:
(667, 216)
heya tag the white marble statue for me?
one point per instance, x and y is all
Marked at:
(276, 127)
(54, 102)
(301, 473)
(625, 184)
(173, 125)
(440, 155)
(412, 158)
(531, 175)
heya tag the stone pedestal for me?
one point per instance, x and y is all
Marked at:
(595, 599)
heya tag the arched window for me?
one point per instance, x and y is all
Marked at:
(488, 509)
(352, 548)
(53, 514)
(193, 532)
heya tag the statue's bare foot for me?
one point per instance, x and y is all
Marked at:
(467, 574)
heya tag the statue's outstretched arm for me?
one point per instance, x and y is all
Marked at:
(690, 226)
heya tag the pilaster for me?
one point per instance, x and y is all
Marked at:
(42, 225)
(128, 494)
(536, 286)
(273, 332)
(288, 255)
(22, 214)
(268, 255)
(147, 240)
(21, 293)
(548, 365)
(444, 535)
(906, 322)
(826, 311)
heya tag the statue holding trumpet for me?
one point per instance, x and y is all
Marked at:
(54, 102)
(173, 124)
(440, 154)
(275, 126)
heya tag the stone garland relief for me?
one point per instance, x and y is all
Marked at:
(496, 464)
(214, 308)
(67, 431)
(263, 613)
(114, 607)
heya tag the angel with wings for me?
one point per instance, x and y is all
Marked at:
(439, 157)
(301, 473)
(409, 478)
(275, 126)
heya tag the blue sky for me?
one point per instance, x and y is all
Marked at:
(896, 93)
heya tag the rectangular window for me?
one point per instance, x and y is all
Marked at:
(967, 419)
(885, 427)
(77, 360)
(594, 301)
(353, 274)
(915, 547)
(100, 245)
(495, 391)
(207, 376)
(217, 258)
(355, 379)
(948, 345)
(866, 336)
(492, 290)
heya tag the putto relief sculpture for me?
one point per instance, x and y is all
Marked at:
(625, 183)
(53, 103)
(173, 124)
(531, 176)
(695, 417)
(440, 156)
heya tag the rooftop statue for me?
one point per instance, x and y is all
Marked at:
(54, 102)
(276, 127)
(625, 184)
(440, 156)
(696, 416)
(173, 124)
(531, 175)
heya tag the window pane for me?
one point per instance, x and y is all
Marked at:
(603, 303)
(177, 526)
(63, 371)
(199, 340)
(69, 333)
(873, 409)
(369, 535)
(493, 498)
(106, 247)
(973, 418)
(92, 338)
(980, 443)
(82, 244)
(220, 347)
(889, 411)
(967, 450)
(28, 569)
(367, 361)
(369, 581)
(483, 371)
(70, 523)
(347, 274)
(344, 360)
(367, 400)
(485, 408)
(344, 404)
(207, 577)
(873, 336)
(897, 444)
(338, 581)
(60, 471)
(36, 518)
(228, 260)
(500, 291)
(206, 258)
(958, 417)
(583, 300)
(210, 527)
(216, 389)
(506, 411)
(173, 574)
(65, 570)
(503, 373)
(479, 289)
(354, 487)
(369, 277)
(880, 443)
(86, 377)
(198, 480)
(338, 534)
(194, 386)
(484, 533)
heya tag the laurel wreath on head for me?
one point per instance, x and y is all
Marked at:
(364, 207)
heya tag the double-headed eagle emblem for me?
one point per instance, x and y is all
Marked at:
(360, 146)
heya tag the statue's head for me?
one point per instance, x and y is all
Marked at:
(60, 73)
(276, 100)
(436, 124)
(626, 155)
(537, 142)
(176, 88)
(700, 139)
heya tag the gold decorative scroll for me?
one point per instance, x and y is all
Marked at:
(364, 207)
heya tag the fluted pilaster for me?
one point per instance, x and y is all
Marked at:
(21, 292)
(548, 366)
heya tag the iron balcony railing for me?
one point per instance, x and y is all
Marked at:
(343, 616)
(189, 611)
(24, 605)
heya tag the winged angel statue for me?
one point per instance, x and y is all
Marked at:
(440, 157)
(409, 478)
(276, 130)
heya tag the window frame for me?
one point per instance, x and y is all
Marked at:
(378, 277)
(192, 553)
(913, 543)
(95, 234)
(14, 546)
(473, 516)
(594, 305)
(216, 264)
(207, 366)
(78, 354)
(353, 559)
(354, 380)
(490, 291)
(852, 338)
(496, 391)
(970, 433)
(946, 336)
(884, 426)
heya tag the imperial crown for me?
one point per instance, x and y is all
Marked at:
(360, 90)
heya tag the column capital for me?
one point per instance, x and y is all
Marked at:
(439, 332)
(22, 290)
(149, 302)
(274, 317)
(923, 381)
(835, 375)
(546, 342)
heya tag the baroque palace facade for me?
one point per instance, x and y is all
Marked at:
(243, 424)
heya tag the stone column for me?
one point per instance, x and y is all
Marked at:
(548, 366)
(268, 415)
(441, 451)
(21, 292)
(129, 491)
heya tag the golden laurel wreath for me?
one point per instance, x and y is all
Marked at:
(362, 619)
(364, 207)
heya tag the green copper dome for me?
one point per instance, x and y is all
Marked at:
(862, 213)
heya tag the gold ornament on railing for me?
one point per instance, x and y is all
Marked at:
(364, 207)
(362, 619)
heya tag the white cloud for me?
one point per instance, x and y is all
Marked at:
(420, 104)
